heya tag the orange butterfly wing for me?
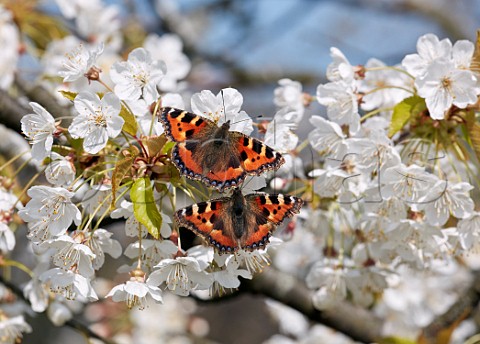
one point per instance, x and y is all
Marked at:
(270, 210)
(206, 219)
(276, 208)
(257, 157)
(197, 157)
(213, 220)
(181, 125)
(193, 135)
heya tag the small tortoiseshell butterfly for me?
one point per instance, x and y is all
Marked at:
(238, 222)
(213, 154)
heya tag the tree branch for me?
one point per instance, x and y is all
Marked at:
(13, 144)
(357, 323)
(73, 323)
(42, 96)
(11, 111)
(463, 308)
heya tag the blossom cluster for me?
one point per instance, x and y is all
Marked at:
(385, 175)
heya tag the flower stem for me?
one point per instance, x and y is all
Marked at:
(154, 116)
(12, 160)
(373, 113)
(400, 70)
(18, 265)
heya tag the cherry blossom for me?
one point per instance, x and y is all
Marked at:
(71, 8)
(289, 95)
(69, 284)
(135, 292)
(462, 53)
(97, 120)
(429, 48)
(49, 212)
(10, 40)
(11, 329)
(39, 128)
(79, 62)
(168, 48)
(100, 242)
(331, 283)
(443, 85)
(181, 275)
(223, 107)
(99, 23)
(280, 132)
(70, 253)
(383, 87)
(138, 77)
(340, 69)
(469, 230)
(228, 277)
(327, 137)
(7, 238)
(446, 198)
(60, 171)
(37, 294)
(153, 251)
(341, 103)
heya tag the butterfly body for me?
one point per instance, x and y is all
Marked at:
(238, 222)
(213, 154)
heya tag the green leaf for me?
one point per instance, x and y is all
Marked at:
(144, 207)
(476, 54)
(69, 95)
(396, 340)
(403, 111)
(39, 28)
(130, 126)
(167, 147)
(77, 145)
(473, 129)
(154, 144)
(122, 167)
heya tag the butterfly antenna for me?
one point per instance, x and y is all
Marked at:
(246, 183)
(224, 109)
(242, 120)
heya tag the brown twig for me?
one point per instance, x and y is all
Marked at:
(73, 323)
(357, 323)
(463, 308)
(44, 97)
(11, 111)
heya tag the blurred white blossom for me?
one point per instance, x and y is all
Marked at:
(39, 128)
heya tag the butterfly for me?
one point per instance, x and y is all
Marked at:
(238, 222)
(213, 154)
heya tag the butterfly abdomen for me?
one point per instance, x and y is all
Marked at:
(238, 214)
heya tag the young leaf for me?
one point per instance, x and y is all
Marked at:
(167, 147)
(403, 111)
(69, 95)
(474, 135)
(130, 126)
(154, 144)
(144, 207)
(122, 167)
(396, 340)
(476, 55)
